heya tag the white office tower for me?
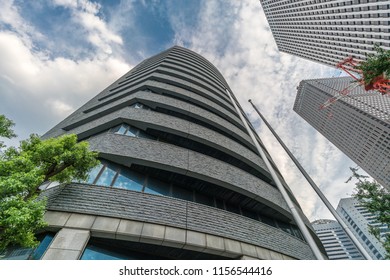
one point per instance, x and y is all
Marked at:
(358, 218)
(338, 245)
(358, 124)
(327, 31)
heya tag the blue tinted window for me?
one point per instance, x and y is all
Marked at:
(96, 253)
(121, 129)
(106, 177)
(93, 173)
(182, 193)
(132, 131)
(157, 187)
(130, 180)
(43, 245)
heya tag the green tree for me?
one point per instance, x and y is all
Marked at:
(376, 199)
(5, 129)
(23, 170)
(375, 65)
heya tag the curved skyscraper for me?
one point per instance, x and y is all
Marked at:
(180, 178)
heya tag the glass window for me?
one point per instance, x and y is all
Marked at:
(107, 176)
(43, 245)
(268, 221)
(232, 208)
(219, 203)
(285, 227)
(121, 129)
(204, 199)
(21, 253)
(157, 187)
(249, 214)
(130, 180)
(182, 193)
(97, 253)
(132, 131)
(137, 105)
(103, 249)
(142, 134)
(94, 173)
(297, 232)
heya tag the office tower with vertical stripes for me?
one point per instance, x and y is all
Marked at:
(180, 177)
(358, 220)
(329, 31)
(337, 243)
(358, 124)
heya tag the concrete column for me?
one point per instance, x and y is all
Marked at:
(68, 244)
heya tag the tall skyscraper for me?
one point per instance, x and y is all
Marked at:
(358, 124)
(328, 31)
(180, 178)
(337, 244)
(358, 219)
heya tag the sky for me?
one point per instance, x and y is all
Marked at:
(57, 54)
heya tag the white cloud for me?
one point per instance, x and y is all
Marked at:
(85, 13)
(45, 90)
(9, 15)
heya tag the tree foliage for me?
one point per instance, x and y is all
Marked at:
(23, 170)
(376, 199)
(5, 129)
(375, 65)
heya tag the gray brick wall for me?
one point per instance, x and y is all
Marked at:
(119, 203)
(126, 150)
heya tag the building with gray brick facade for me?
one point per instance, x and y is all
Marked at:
(180, 178)
(329, 31)
(358, 124)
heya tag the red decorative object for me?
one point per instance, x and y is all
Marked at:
(349, 65)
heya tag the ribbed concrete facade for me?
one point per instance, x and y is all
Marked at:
(358, 124)
(328, 31)
(180, 177)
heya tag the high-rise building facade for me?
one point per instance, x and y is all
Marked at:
(328, 31)
(358, 218)
(180, 177)
(358, 124)
(336, 242)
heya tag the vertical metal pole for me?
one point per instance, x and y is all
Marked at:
(316, 188)
(298, 219)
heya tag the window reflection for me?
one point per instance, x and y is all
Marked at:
(130, 180)
(131, 131)
(94, 173)
(157, 187)
(106, 177)
(22, 253)
(109, 174)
